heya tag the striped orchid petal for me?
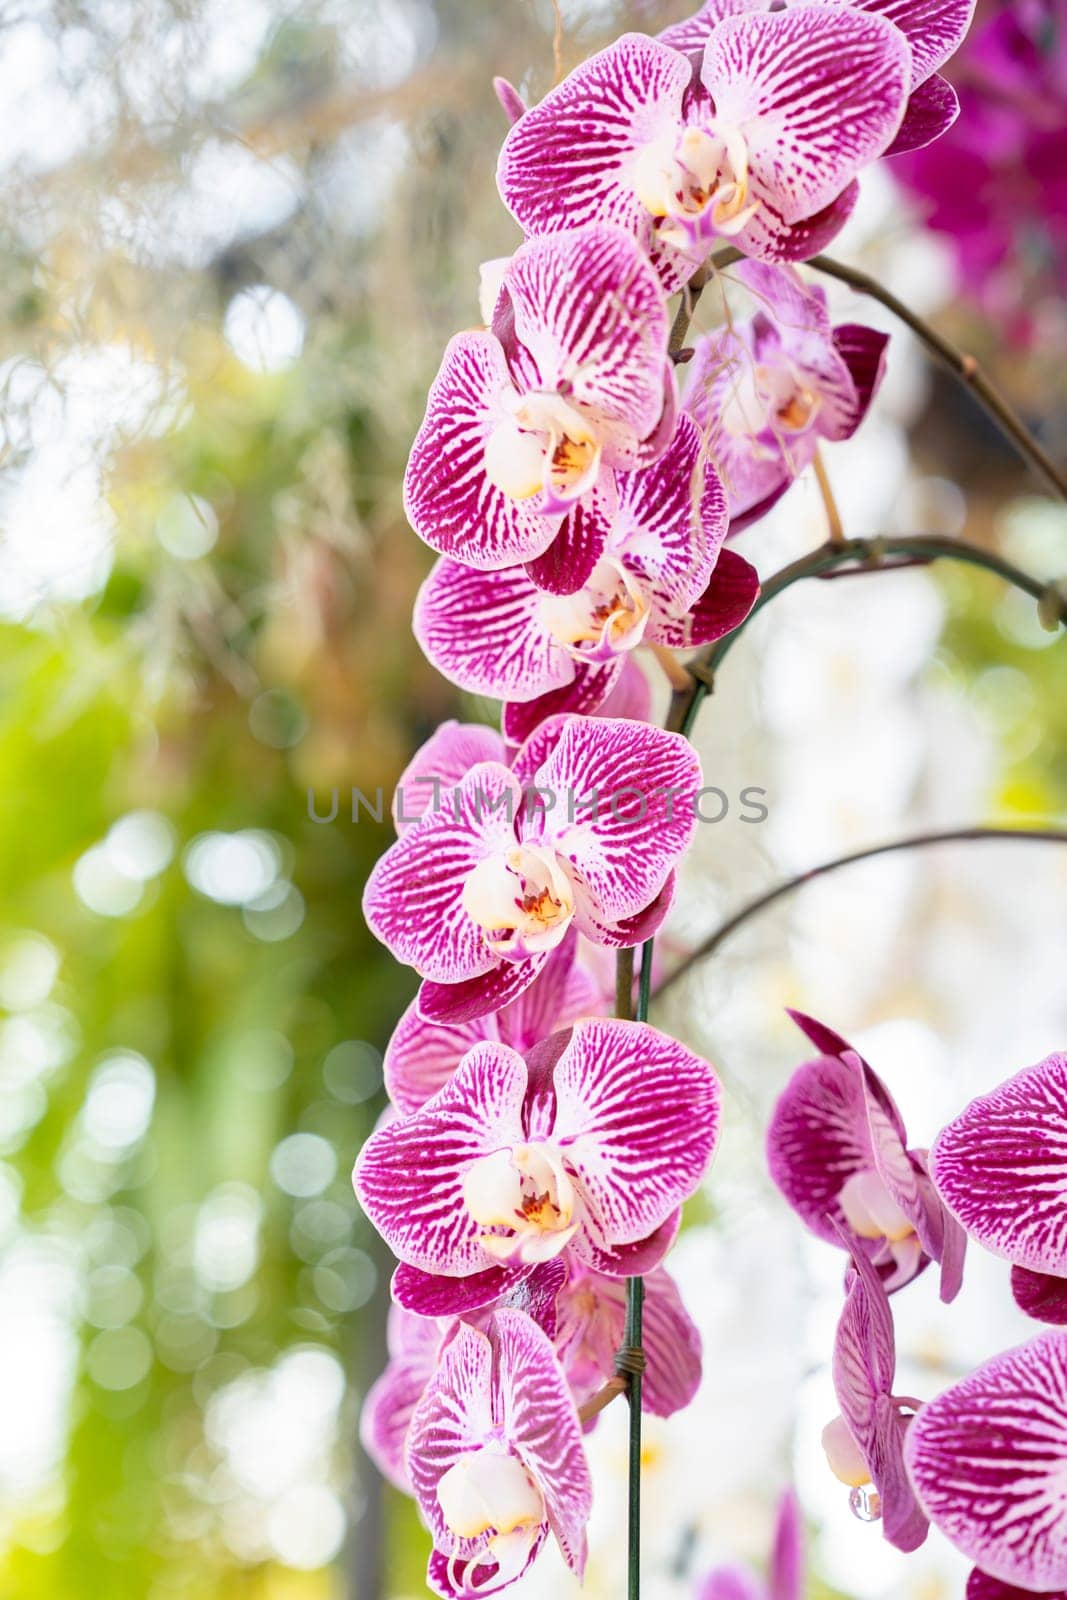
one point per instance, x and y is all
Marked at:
(590, 311)
(509, 654)
(1001, 1169)
(450, 499)
(988, 1459)
(432, 1295)
(813, 94)
(458, 1003)
(932, 109)
(440, 765)
(732, 591)
(579, 544)
(591, 1320)
(496, 1458)
(980, 1586)
(483, 1176)
(836, 1148)
(864, 1367)
(1042, 1295)
(587, 694)
(387, 1409)
(632, 814)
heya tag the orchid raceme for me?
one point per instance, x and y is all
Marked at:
(766, 391)
(785, 1577)
(988, 1459)
(421, 1056)
(934, 29)
(592, 1145)
(1001, 1169)
(837, 1150)
(659, 578)
(865, 1444)
(761, 145)
(477, 893)
(495, 1458)
(572, 378)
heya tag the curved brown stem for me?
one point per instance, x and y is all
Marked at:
(919, 841)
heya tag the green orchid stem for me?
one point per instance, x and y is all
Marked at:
(961, 365)
(635, 1300)
(854, 557)
(919, 841)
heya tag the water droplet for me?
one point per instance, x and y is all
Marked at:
(865, 1504)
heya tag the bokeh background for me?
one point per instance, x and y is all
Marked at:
(234, 238)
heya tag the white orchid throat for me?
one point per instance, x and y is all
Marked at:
(608, 615)
(522, 900)
(690, 179)
(545, 445)
(489, 1493)
(526, 1190)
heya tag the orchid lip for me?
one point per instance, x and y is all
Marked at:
(544, 446)
(607, 616)
(527, 1190)
(523, 901)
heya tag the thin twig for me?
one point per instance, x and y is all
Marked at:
(834, 525)
(918, 841)
(603, 1398)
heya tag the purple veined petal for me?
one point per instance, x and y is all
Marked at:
(980, 1586)
(817, 1139)
(428, 1294)
(988, 1459)
(413, 899)
(441, 764)
(579, 544)
(563, 992)
(786, 1578)
(726, 602)
(409, 1175)
(932, 109)
(570, 160)
(863, 351)
(454, 1416)
(1041, 1295)
(540, 1418)
(537, 1293)
(691, 36)
(484, 632)
(514, 106)
(448, 498)
(628, 813)
(638, 1118)
(933, 28)
(628, 931)
(536, 748)
(591, 312)
(631, 697)
(721, 396)
(671, 521)
(421, 1056)
(1001, 1168)
(672, 1376)
(387, 1409)
(634, 1260)
(864, 1365)
(769, 237)
(816, 94)
(463, 1002)
(585, 695)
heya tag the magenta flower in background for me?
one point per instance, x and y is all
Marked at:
(1001, 1169)
(591, 1146)
(658, 578)
(421, 1056)
(591, 1317)
(785, 1576)
(765, 391)
(572, 377)
(865, 1444)
(837, 1150)
(761, 146)
(477, 893)
(496, 1460)
(988, 1459)
(934, 29)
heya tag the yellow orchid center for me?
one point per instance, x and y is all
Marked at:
(526, 1190)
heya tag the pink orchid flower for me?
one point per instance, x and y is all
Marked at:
(837, 1150)
(590, 1145)
(988, 1460)
(385, 1417)
(865, 1444)
(495, 1457)
(1001, 1169)
(572, 377)
(760, 145)
(660, 578)
(478, 892)
(767, 390)
(785, 1577)
(934, 29)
